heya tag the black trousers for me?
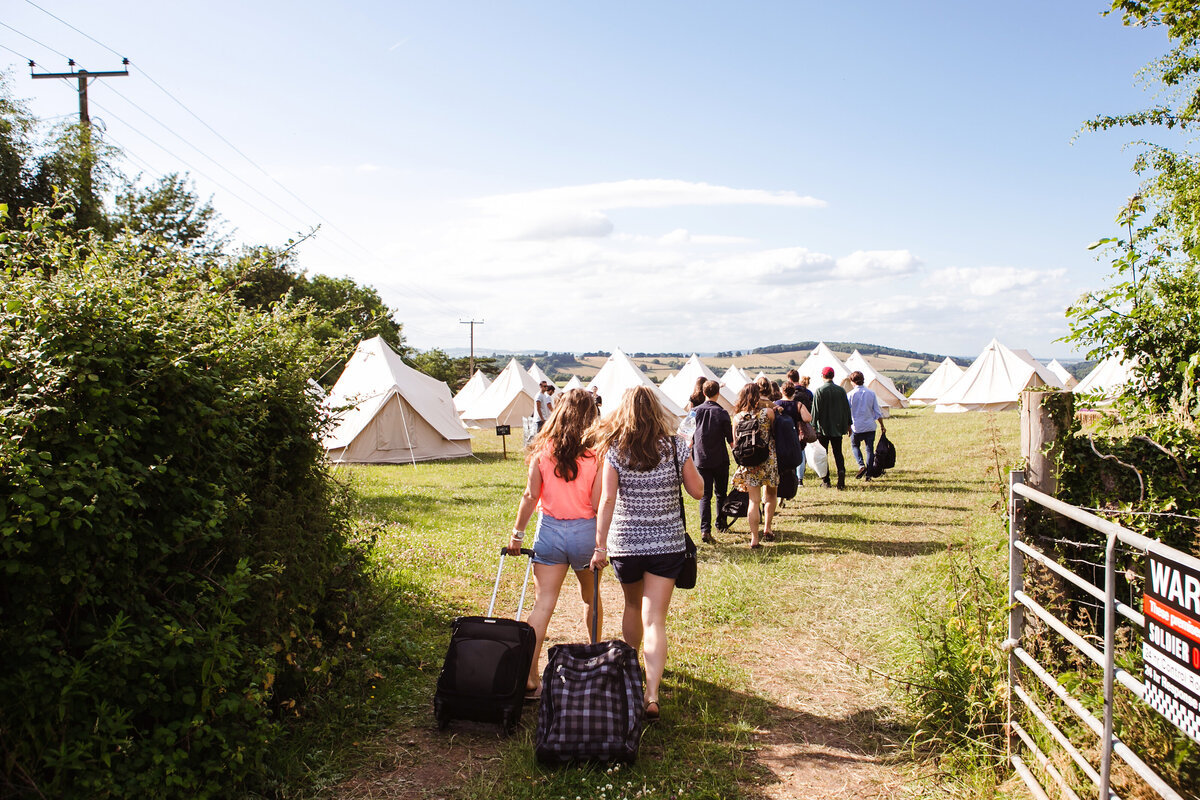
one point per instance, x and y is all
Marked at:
(839, 459)
(716, 481)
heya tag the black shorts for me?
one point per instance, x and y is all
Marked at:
(631, 569)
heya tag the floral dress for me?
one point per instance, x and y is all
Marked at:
(766, 473)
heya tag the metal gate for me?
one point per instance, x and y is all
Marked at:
(1021, 662)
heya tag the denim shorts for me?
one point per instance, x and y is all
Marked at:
(631, 569)
(565, 541)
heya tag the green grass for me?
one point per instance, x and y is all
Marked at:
(824, 611)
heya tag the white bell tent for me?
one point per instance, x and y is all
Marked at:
(679, 386)
(995, 381)
(1106, 378)
(574, 383)
(820, 358)
(511, 397)
(472, 391)
(936, 384)
(538, 376)
(619, 374)
(885, 391)
(1069, 381)
(386, 412)
(734, 379)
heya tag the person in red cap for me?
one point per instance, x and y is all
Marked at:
(831, 418)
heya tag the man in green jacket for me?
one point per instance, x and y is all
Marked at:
(831, 418)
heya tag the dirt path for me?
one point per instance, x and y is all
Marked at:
(833, 728)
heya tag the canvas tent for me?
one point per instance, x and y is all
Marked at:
(511, 397)
(734, 378)
(885, 391)
(995, 381)
(1106, 378)
(619, 374)
(386, 412)
(538, 376)
(820, 358)
(471, 392)
(936, 384)
(680, 385)
(574, 383)
(1069, 381)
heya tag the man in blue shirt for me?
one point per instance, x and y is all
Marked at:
(864, 411)
(714, 430)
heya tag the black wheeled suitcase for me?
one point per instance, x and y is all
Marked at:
(487, 663)
(592, 705)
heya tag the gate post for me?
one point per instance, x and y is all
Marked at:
(1045, 416)
(1016, 583)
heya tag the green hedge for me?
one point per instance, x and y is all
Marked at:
(174, 574)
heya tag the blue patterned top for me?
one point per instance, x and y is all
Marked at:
(646, 519)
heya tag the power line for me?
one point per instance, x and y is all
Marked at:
(333, 227)
(15, 53)
(35, 41)
(72, 27)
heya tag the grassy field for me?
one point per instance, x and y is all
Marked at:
(778, 676)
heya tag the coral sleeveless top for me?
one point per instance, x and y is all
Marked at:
(567, 500)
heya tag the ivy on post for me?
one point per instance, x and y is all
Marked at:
(1045, 417)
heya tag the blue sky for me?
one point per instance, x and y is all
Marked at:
(655, 176)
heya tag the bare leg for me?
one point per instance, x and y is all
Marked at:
(587, 581)
(656, 598)
(770, 500)
(547, 582)
(631, 618)
(752, 516)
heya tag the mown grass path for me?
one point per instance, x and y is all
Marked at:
(776, 682)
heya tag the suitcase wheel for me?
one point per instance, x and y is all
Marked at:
(440, 715)
(510, 722)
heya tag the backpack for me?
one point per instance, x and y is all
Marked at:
(750, 447)
(787, 443)
(885, 456)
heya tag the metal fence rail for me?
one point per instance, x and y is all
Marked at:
(1021, 662)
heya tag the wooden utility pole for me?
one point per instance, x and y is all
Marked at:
(472, 323)
(82, 76)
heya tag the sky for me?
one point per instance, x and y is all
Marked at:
(652, 176)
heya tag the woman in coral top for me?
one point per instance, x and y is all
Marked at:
(564, 485)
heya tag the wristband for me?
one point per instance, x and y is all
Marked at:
(600, 550)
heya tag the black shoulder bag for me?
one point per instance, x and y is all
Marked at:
(687, 576)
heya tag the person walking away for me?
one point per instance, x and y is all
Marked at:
(563, 484)
(802, 397)
(639, 525)
(713, 431)
(864, 411)
(687, 428)
(831, 418)
(543, 405)
(758, 481)
(796, 410)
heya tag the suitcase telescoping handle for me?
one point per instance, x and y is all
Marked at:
(595, 605)
(525, 551)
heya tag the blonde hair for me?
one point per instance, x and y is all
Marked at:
(634, 429)
(566, 434)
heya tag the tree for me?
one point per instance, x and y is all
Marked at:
(1151, 310)
(168, 213)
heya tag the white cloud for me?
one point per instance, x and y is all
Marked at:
(872, 264)
(991, 281)
(579, 210)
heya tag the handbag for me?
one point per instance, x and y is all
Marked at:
(687, 575)
(736, 505)
(808, 434)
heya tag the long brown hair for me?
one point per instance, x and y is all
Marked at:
(748, 398)
(566, 432)
(635, 427)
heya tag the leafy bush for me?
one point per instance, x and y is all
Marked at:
(175, 573)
